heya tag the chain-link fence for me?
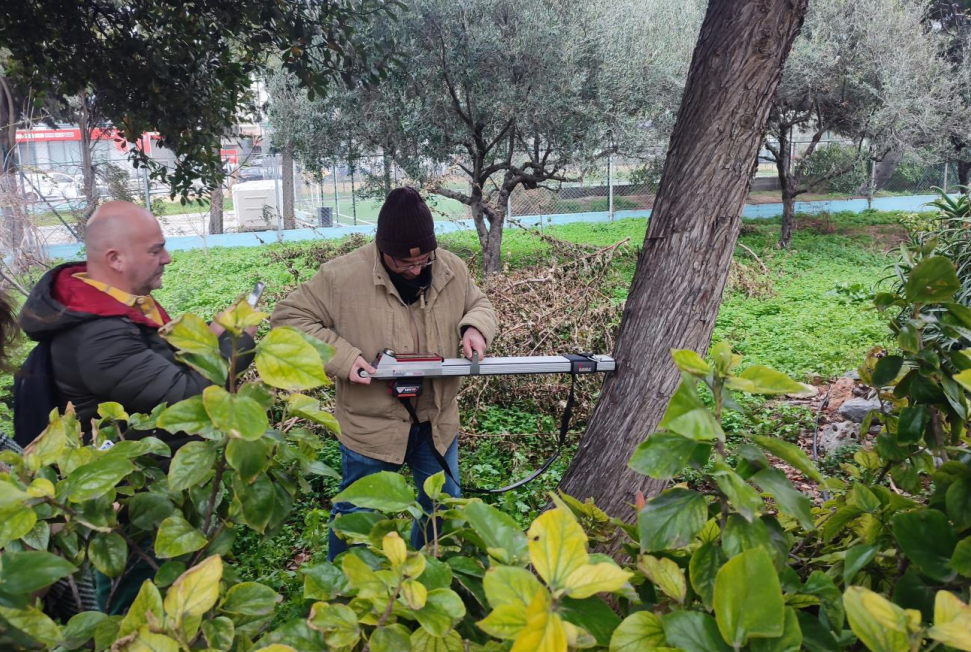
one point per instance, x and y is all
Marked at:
(346, 196)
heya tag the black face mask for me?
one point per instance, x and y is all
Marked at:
(409, 288)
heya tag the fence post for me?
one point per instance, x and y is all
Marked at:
(353, 198)
(945, 176)
(871, 185)
(610, 187)
(337, 208)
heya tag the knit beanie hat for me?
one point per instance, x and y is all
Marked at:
(405, 225)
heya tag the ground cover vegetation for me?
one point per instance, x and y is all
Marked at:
(734, 557)
(807, 315)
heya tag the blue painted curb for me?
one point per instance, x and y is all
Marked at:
(258, 238)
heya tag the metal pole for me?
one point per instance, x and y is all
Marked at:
(337, 212)
(148, 190)
(610, 187)
(945, 176)
(509, 207)
(873, 183)
(353, 199)
(278, 195)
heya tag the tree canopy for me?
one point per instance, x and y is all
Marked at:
(185, 69)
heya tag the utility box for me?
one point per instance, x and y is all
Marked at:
(255, 205)
(324, 217)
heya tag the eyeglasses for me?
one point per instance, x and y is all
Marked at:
(404, 266)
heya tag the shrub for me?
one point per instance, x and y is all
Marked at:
(826, 160)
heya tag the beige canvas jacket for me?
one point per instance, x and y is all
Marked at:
(352, 305)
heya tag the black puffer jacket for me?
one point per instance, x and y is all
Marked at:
(104, 350)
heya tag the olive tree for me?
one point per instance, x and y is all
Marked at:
(498, 94)
(866, 71)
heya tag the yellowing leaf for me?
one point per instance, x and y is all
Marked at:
(190, 333)
(286, 360)
(195, 592)
(41, 488)
(394, 549)
(362, 578)
(879, 624)
(509, 585)
(146, 641)
(595, 578)
(666, 574)
(505, 621)
(557, 546)
(148, 600)
(690, 362)
(414, 594)
(544, 631)
(952, 621)
(338, 622)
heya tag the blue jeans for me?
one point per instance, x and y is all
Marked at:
(419, 457)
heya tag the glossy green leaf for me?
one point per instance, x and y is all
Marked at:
(790, 641)
(26, 572)
(911, 424)
(256, 499)
(671, 519)
(933, 280)
(192, 465)
(81, 627)
(188, 416)
(250, 599)
(249, 458)
(662, 455)
(928, 540)
(212, 366)
(748, 598)
(96, 478)
(705, 563)
(886, 370)
(641, 631)
(390, 638)
(177, 537)
(147, 510)
(693, 631)
(741, 495)
(219, 633)
(958, 503)
(384, 491)
(857, 558)
(688, 416)
(503, 537)
(443, 609)
(108, 552)
(238, 416)
(961, 560)
(33, 622)
(788, 500)
(791, 454)
(591, 614)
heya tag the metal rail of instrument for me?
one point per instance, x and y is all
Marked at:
(390, 366)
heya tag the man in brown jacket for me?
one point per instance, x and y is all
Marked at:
(400, 293)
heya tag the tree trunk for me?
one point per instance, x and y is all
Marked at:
(12, 231)
(964, 167)
(386, 169)
(216, 210)
(788, 218)
(286, 162)
(683, 267)
(787, 183)
(488, 226)
(90, 188)
(885, 170)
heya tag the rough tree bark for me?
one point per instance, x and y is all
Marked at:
(90, 186)
(683, 267)
(286, 162)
